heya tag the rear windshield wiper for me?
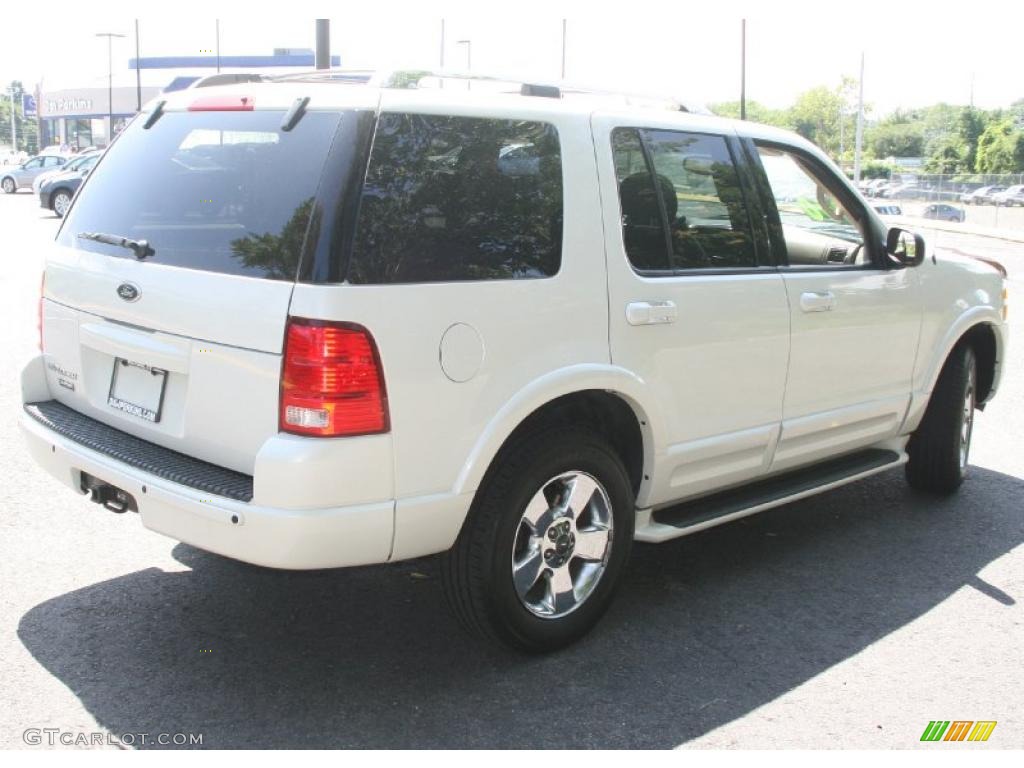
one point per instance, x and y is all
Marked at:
(140, 248)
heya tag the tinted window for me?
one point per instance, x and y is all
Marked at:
(458, 198)
(818, 229)
(217, 191)
(686, 185)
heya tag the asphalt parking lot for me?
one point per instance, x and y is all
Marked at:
(850, 619)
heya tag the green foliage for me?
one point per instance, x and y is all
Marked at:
(1000, 149)
(28, 130)
(952, 139)
(892, 139)
(876, 169)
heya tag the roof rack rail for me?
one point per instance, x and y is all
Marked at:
(421, 78)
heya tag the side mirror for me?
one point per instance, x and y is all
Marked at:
(905, 247)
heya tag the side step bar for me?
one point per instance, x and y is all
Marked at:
(709, 511)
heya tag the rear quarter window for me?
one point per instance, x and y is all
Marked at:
(459, 198)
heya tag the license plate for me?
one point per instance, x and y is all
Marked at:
(137, 389)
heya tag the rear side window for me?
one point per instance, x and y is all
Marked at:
(224, 192)
(459, 198)
(681, 201)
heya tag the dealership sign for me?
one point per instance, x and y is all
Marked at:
(68, 106)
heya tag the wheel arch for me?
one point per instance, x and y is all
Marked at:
(610, 399)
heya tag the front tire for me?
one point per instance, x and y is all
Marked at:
(540, 555)
(9, 186)
(940, 447)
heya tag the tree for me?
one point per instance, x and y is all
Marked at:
(896, 140)
(756, 113)
(28, 129)
(970, 126)
(1001, 149)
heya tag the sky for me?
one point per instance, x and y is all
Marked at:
(916, 53)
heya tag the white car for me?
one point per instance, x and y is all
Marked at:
(650, 323)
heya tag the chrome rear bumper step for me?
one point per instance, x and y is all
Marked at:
(718, 508)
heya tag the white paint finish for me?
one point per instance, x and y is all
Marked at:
(850, 367)
(295, 472)
(277, 538)
(718, 372)
(227, 309)
(461, 353)
(428, 524)
(528, 327)
(722, 392)
(220, 402)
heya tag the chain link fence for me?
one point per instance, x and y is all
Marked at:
(971, 200)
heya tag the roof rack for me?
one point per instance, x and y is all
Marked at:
(424, 78)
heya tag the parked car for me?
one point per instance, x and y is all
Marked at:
(56, 192)
(1010, 196)
(73, 164)
(943, 212)
(13, 179)
(981, 196)
(404, 346)
(887, 209)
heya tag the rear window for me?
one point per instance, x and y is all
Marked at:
(459, 198)
(224, 192)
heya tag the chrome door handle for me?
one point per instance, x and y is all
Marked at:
(651, 312)
(813, 301)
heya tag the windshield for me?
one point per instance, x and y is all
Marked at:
(222, 192)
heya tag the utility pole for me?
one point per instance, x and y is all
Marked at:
(860, 126)
(743, 70)
(14, 124)
(138, 72)
(469, 60)
(110, 82)
(563, 48)
(323, 43)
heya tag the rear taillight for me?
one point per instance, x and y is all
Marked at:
(39, 309)
(332, 384)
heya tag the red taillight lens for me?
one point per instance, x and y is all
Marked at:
(39, 310)
(332, 384)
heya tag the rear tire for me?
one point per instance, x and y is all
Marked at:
(540, 555)
(940, 447)
(9, 186)
(61, 203)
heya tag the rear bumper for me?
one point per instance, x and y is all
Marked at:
(277, 538)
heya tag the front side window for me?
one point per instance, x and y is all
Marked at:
(459, 198)
(818, 229)
(681, 201)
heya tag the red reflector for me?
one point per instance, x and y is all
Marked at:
(222, 104)
(332, 384)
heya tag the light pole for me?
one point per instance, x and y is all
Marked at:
(469, 59)
(110, 82)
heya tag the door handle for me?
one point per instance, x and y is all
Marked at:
(814, 301)
(651, 312)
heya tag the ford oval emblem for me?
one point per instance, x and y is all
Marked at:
(128, 291)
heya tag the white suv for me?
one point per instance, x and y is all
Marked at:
(309, 324)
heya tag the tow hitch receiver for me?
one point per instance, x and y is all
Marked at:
(109, 496)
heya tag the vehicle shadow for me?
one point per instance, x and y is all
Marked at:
(704, 630)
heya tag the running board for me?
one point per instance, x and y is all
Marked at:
(709, 511)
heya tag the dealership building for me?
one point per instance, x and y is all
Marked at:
(77, 117)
